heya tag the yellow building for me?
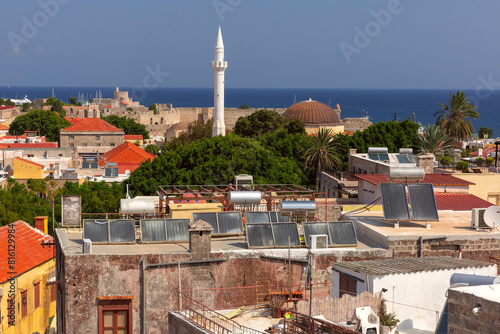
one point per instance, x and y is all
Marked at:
(27, 301)
(486, 185)
(25, 169)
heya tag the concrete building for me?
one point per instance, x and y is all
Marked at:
(26, 169)
(134, 139)
(219, 66)
(27, 302)
(421, 282)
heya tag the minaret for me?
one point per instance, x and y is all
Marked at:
(219, 66)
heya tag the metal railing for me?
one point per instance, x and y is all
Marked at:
(209, 319)
(296, 322)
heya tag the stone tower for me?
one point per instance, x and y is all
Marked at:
(219, 66)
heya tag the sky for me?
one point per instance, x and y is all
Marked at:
(419, 44)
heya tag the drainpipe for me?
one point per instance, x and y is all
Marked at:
(145, 266)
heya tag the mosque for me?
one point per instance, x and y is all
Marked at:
(316, 115)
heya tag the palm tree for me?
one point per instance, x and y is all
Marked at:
(456, 119)
(322, 151)
(435, 141)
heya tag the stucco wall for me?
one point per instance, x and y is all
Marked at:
(418, 297)
(487, 186)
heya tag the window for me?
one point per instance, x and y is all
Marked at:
(60, 155)
(84, 144)
(113, 144)
(30, 155)
(98, 137)
(37, 294)
(347, 285)
(71, 137)
(71, 145)
(24, 303)
(98, 144)
(115, 316)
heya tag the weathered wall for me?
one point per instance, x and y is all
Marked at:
(179, 325)
(356, 124)
(461, 320)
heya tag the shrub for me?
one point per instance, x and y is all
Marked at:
(387, 319)
(446, 161)
(244, 106)
(479, 161)
(463, 166)
(490, 161)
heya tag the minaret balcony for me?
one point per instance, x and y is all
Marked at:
(219, 65)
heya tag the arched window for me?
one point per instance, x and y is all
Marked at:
(151, 121)
(161, 120)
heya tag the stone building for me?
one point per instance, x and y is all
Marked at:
(316, 115)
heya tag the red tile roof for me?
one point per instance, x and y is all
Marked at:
(435, 179)
(34, 145)
(6, 107)
(133, 137)
(30, 162)
(91, 125)
(4, 127)
(73, 120)
(74, 107)
(108, 106)
(460, 202)
(29, 252)
(485, 153)
(126, 156)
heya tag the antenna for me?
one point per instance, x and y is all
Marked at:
(294, 98)
(492, 216)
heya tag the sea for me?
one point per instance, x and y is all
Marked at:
(380, 105)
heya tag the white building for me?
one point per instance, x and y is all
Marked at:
(414, 288)
(219, 66)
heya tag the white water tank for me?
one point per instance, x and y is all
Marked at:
(137, 205)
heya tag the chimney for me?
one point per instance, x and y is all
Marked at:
(200, 242)
(426, 161)
(41, 224)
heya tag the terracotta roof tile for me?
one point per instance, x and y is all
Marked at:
(133, 137)
(435, 179)
(34, 145)
(485, 153)
(29, 252)
(30, 162)
(126, 156)
(460, 202)
(4, 127)
(92, 125)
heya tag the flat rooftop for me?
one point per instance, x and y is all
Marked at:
(372, 230)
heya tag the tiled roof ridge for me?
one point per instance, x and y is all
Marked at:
(29, 161)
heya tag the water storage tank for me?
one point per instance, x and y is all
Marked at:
(297, 206)
(378, 150)
(474, 279)
(408, 173)
(137, 205)
(405, 151)
(245, 197)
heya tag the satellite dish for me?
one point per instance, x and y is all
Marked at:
(492, 216)
(127, 172)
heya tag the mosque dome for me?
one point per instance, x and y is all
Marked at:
(179, 126)
(312, 113)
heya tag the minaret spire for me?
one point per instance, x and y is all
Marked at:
(219, 66)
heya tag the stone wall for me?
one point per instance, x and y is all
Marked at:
(112, 139)
(177, 324)
(461, 320)
(356, 124)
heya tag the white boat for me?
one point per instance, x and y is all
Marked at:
(21, 101)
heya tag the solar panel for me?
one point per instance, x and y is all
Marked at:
(122, 230)
(259, 235)
(114, 171)
(94, 165)
(230, 222)
(153, 230)
(373, 156)
(422, 201)
(282, 231)
(277, 217)
(403, 159)
(209, 217)
(177, 229)
(107, 172)
(85, 164)
(383, 157)
(315, 228)
(394, 201)
(254, 217)
(343, 233)
(96, 230)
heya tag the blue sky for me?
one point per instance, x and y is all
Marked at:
(280, 43)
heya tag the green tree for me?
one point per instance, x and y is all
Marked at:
(152, 149)
(322, 151)
(462, 166)
(244, 106)
(153, 107)
(258, 123)
(72, 101)
(7, 102)
(490, 161)
(128, 125)
(46, 123)
(479, 161)
(434, 140)
(57, 105)
(485, 132)
(215, 160)
(196, 130)
(455, 119)
(446, 161)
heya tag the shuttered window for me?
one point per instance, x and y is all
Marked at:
(37, 294)
(24, 303)
(347, 285)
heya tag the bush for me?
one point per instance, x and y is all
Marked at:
(463, 166)
(244, 106)
(387, 319)
(479, 161)
(446, 161)
(490, 161)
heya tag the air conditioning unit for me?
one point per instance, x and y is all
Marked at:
(317, 241)
(478, 219)
(87, 246)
